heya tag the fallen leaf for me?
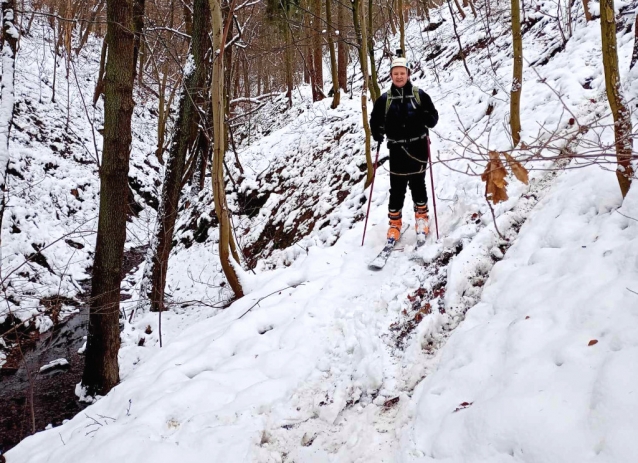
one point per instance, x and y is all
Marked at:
(592, 342)
(494, 178)
(464, 405)
(517, 169)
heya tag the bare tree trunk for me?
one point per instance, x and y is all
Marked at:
(342, 48)
(188, 122)
(188, 18)
(99, 86)
(138, 22)
(401, 23)
(307, 57)
(317, 49)
(517, 78)
(458, 39)
(97, 9)
(375, 91)
(586, 8)
(634, 54)
(619, 109)
(333, 58)
(357, 16)
(219, 191)
(101, 370)
(289, 60)
(8, 48)
(458, 7)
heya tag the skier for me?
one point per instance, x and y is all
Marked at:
(404, 114)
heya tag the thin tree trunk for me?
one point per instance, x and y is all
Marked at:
(458, 7)
(8, 48)
(188, 122)
(138, 22)
(517, 77)
(392, 18)
(458, 39)
(288, 59)
(634, 55)
(219, 190)
(333, 58)
(619, 109)
(401, 23)
(586, 8)
(317, 50)
(357, 16)
(342, 48)
(99, 86)
(89, 26)
(375, 91)
(101, 370)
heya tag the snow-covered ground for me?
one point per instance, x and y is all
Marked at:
(454, 353)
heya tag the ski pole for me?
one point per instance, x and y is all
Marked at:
(374, 174)
(436, 220)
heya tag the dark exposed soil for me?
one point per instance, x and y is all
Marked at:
(53, 391)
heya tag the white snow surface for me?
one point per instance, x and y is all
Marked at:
(527, 357)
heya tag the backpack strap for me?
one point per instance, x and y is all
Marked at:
(417, 97)
(389, 98)
(388, 102)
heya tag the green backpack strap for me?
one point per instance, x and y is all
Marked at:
(388, 102)
(388, 98)
(417, 97)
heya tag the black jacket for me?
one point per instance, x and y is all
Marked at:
(405, 119)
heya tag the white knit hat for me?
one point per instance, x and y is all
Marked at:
(399, 62)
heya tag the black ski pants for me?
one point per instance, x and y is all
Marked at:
(407, 167)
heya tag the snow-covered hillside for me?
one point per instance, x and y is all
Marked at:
(474, 349)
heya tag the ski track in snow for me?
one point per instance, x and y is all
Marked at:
(330, 368)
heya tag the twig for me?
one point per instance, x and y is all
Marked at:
(494, 218)
(626, 216)
(268, 295)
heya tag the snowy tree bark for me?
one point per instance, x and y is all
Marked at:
(357, 16)
(342, 48)
(289, 64)
(517, 78)
(8, 48)
(333, 57)
(586, 8)
(101, 371)
(401, 24)
(217, 168)
(619, 108)
(317, 50)
(138, 21)
(187, 126)
(375, 91)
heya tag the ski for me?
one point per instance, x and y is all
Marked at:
(379, 262)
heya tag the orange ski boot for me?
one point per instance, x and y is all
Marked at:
(394, 232)
(422, 224)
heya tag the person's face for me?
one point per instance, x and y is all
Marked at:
(399, 76)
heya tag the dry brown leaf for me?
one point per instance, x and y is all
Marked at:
(494, 178)
(592, 342)
(517, 169)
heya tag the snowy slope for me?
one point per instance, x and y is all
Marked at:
(53, 186)
(326, 361)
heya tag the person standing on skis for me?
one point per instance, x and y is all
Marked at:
(404, 114)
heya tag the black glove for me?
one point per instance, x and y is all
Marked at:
(378, 137)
